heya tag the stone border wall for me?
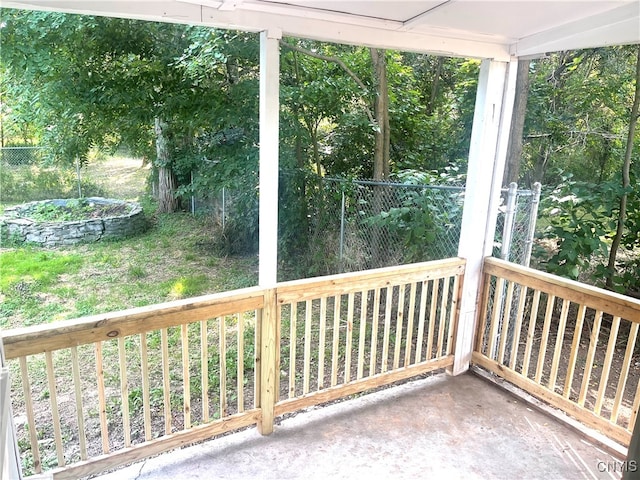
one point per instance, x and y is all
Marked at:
(49, 234)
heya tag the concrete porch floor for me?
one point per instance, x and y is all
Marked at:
(440, 427)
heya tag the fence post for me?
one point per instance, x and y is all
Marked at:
(267, 358)
(342, 230)
(509, 219)
(533, 217)
(78, 177)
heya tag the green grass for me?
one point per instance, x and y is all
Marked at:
(170, 261)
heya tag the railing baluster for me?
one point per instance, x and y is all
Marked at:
(204, 370)
(588, 364)
(562, 323)
(412, 314)
(624, 372)
(349, 338)
(606, 368)
(186, 378)
(102, 409)
(146, 391)
(506, 321)
(364, 300)
(28, 403)
(444, 307)
(124, 392)
(387, 329)
(432, 319)
(421, 319)
(495, 318)
(307, 347)
(240, 362)
(374, 332)
(517, 330)
(533, 318)
(55, 413)
(575, 345)
(322, 334)
(166, 384)
(293, 345)
(77, 384)
(222, 352)
(336, 339)
(399, 326)
(542, 352)
(453, 313)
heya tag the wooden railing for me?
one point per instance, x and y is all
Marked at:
(567, 343)
(99, 392)
(363, 330)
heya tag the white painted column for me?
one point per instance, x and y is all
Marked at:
(487, 156)
(269, 152)
(9, 457)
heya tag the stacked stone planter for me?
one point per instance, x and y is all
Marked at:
(19, 228)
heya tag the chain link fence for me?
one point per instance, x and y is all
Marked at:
(333, 225)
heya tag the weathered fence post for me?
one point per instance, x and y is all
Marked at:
(509, 220)
(533, 216)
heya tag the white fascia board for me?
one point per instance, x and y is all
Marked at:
(333, 28)
(619, 26)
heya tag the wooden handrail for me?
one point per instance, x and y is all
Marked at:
(593, 297)
(70, 333)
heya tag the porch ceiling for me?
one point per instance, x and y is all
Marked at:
(475, 28)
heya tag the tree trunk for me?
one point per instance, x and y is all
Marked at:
(381, 114)
(514, 150)
(434, 87)
(615, 245)
(167, 184)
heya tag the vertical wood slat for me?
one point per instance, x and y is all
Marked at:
(336, 339)
(374, 332)
(399, 327)
(410, 322)
(146, 390)
(364, 300)
(533, 319)
(634, 409)
(124, 392)
(588, 365)
(624, 372)
(575, 346)
(186, 380)
(444, 308)
(102, 403)
(222, 352)
(486, 292)
(257, 345)
(293, 345)
(240, 362)
(453, 314)
(506, 321)
(387, 329)
(562, 324)
(166, 385)
(551, 300)
(606, 368)
(55, 413)
(517, 329)
(349, 338)
(204, 369)
(307, 348)
(75, 369)
(28, 403)
(421, 319)
(322, 333)
(432, 318)
(495, 317)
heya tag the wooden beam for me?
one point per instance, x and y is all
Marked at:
(269, 150)
(487, 154)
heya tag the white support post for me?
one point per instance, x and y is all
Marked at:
(269, 140)
(487, 155)
(9, 456)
